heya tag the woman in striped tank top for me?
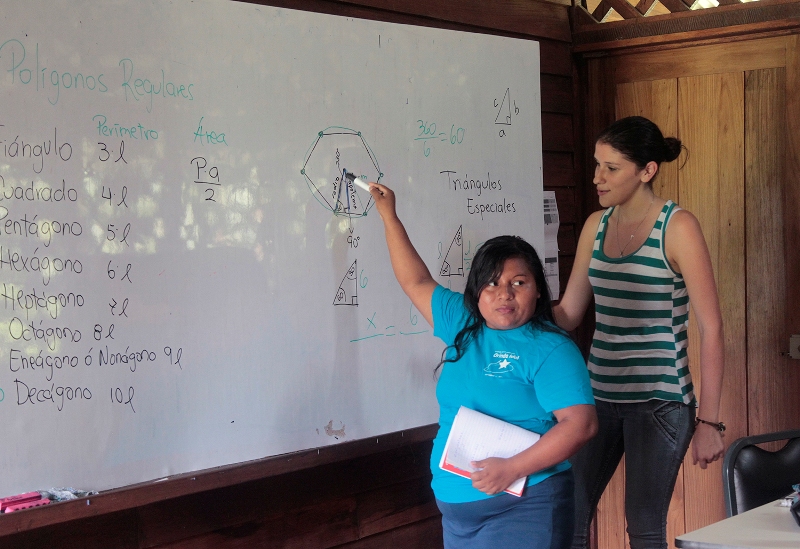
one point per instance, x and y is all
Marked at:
(643, 259)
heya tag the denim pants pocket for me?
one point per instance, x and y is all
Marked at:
(667, 417)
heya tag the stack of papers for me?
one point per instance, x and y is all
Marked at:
(551, 224)
(476, 436)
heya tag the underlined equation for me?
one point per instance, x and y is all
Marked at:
(206, 176)
(430, 135)
(375, 327)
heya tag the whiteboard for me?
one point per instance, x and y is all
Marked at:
(185, 282)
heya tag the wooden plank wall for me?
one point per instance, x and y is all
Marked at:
(712, 187)
(364, 497)
(765, 128)
(735, 107)
(791, 187)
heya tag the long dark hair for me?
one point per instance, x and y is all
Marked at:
(487, 266)
(640, 141)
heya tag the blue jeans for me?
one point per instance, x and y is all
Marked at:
(540, 519)
(654, 437)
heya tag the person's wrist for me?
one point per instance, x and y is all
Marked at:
(717, 425)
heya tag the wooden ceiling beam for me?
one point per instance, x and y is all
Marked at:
(601, 10)
(582, 17)
(676, 6)
(644, 6)
(765, 18)
(624, 9)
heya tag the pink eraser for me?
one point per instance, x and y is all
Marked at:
(19, 498)
(27, 505)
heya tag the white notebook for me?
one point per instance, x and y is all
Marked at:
(476, 436)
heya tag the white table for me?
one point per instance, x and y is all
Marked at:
(767, 527)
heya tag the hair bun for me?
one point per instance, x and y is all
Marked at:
(672, 148)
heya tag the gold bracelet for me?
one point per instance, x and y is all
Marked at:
(718, 426)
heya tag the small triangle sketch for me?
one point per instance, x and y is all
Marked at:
(505, 107)
(453, 264)
(347, 294)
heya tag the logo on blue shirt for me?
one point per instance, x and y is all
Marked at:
(503, 366)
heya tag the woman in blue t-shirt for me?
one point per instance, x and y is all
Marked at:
(505, 358)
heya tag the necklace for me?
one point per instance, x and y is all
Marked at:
(625, 247)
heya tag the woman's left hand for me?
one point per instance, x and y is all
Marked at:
(493, 476)
(707, 445)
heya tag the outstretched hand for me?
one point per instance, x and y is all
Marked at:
(384, 200)
(493, 475)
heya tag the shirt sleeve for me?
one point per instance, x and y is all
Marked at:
(562, 379)
(448, 312)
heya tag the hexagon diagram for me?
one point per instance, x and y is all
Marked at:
(335, 152)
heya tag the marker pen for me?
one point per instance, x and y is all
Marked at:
(361, 183)
(357, 180)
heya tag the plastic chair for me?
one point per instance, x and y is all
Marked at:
(752, 476)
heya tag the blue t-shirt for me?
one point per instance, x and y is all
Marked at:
(520, 376)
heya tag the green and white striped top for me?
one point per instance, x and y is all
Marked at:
(642, 316)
